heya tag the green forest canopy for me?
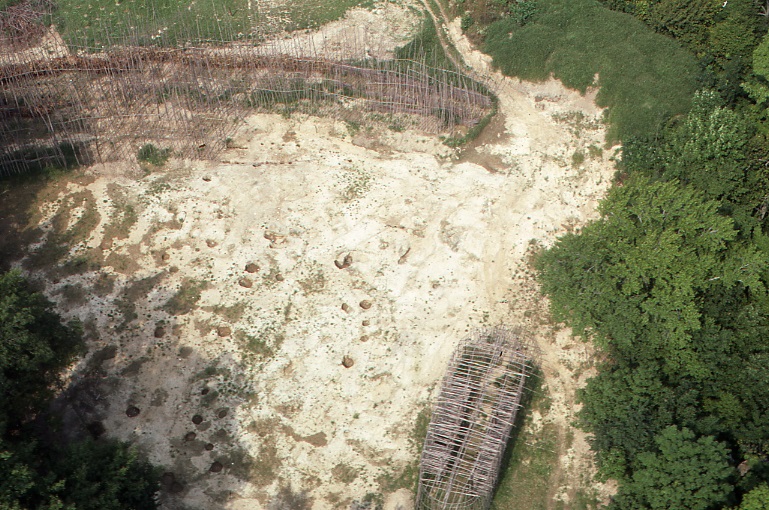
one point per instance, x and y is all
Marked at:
(39, 471)
(671, 281)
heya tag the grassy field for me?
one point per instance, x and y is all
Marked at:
(96, 23)
(645, 78)
(426, 44)
(530, 469)
(531, 455)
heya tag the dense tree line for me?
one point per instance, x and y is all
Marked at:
(39, 471)
(722, 34)
(671, 282)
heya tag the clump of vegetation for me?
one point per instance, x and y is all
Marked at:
(232, 313)
(577, 158)
(186, 298)
(148, 153)
(644, 78)
(43, 470)
(262, 345)
(74, 294)
(466, 22)
(313, 282)
(344, 473)
(357, 183)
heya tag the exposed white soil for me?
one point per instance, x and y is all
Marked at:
(373, 33)
(440, 245)
(51, 45)
(438, 248)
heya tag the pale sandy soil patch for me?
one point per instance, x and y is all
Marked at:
(180, 324)
(438, 248)
(373, 33)
(51, 45)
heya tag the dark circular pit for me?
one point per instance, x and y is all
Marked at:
(168, 478)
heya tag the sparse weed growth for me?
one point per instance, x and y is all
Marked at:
(232, 313)
(344, 473)
(148, 153)
(352, 127)
(594, 152)
(313, 282)
(262, 345)
(577, 158)
(186, 298)
(357, 183)
(132, 295)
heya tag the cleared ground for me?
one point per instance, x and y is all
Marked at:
(211, 290)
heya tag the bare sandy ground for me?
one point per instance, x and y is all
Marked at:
(51, 45)
(360, 33)
(439, 243)
(438, 247)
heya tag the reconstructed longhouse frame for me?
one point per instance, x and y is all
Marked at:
(472, 420)
(102, 103)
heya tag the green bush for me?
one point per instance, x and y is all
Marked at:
(522, 12)
(577, 158)
(467, 22)
(644, 78)
(151, 154)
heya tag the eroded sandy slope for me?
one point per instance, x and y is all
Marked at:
(438, 247)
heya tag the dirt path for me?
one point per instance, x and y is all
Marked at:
(566, 362)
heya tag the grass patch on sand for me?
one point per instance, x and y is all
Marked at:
(186, 298)
(530, 467)
(644, 78)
